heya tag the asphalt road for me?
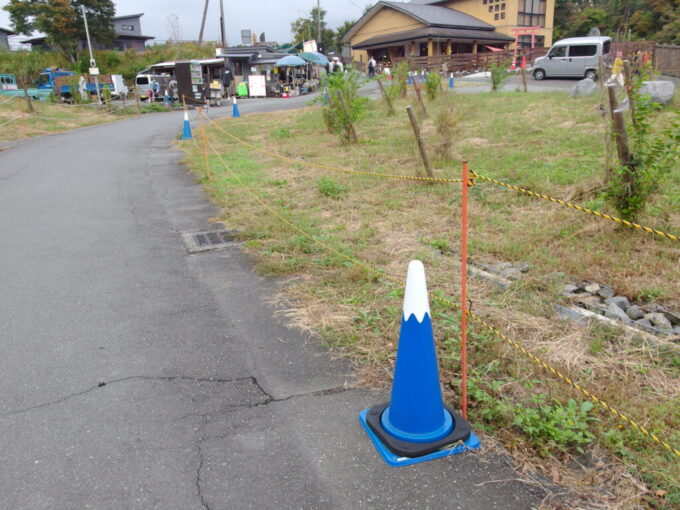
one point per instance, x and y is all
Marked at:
(135, 375)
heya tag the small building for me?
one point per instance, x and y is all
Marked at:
(4, 38)
(128, 30)
(258, 60)
(393, 30)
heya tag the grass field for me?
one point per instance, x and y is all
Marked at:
(544, 141)
(49, 118)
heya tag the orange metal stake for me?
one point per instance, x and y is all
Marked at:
(463, 293)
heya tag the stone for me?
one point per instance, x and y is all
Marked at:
(658, 91)
(523, 266)
(620, 301)
(592, 288)
(504, 265)
(673, 317)
(592, 303)
(644, 322)
(635, 312)
(606, 292)
(676, 330)
(659, 320)
(583, 88)
(512, 273)
(654, 308)
(616, 312)
(569, 289)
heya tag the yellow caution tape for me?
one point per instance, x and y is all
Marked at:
(576, 207)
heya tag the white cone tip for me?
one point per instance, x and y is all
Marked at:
(234, 98)
(186, 115)
(415, 298)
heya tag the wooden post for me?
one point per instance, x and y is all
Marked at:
(420, 98)
(463, 290)
(419, 139)
(523, 74)
(351, 130)
(390, 106)
(628, 84)
(613, 103)
(621, 138)
(139, 109)
(24, 127)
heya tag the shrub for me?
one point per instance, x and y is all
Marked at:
(433, 84)
(447, 121)
(330, 187)
(499, 74)
(342, 88)
(399, 81)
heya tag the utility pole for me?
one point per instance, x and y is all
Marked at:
(93, 64)
(222, 29)
(318, 26)
(205, 13)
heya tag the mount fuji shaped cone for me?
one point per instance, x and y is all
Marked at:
(234, 109)
(186, 131)
(416, 425)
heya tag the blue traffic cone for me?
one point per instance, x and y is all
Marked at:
(409, 80)
(186, 131)
(416, 426)
(234, 110)
(451, 81)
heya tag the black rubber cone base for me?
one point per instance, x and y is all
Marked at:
(460, 432)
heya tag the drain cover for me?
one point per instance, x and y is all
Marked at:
(209, 240)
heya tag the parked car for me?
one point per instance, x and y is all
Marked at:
(574, 57)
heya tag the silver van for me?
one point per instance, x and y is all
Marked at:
(575, 57)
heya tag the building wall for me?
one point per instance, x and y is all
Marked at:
(128, 26)
(480, 10)
(4, 42)
(386, 21)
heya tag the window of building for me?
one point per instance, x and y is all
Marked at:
(502, 15)
(131, 27)
(496, 7)
(491, 8)
(531, 13)
(485, 2)
(525, 41)
(495, 16)
(502, 7)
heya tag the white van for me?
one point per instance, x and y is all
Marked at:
(575, 57)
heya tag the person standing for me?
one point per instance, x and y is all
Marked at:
(371, 67)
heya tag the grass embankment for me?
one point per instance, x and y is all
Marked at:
(49, 118)
(546, 142)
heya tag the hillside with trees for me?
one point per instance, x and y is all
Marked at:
(650, 20)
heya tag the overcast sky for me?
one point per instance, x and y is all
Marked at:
(273, 17)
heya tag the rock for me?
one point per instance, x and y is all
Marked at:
(583, 88)
(635, 312)
(659, 91)
(646, 325)
(676, 330)
(652, 308)
(614, 311)
(659, 320)
(523, 266)
(512, 273)
(592, 303)
(606, 292)
(620, 301)
(673, 317)
(592, 288)
(504, 265)
(569, 289)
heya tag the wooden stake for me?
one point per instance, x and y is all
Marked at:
(420, 98)
(204, 137)
(390, 106)
(613, 103)
(523, 74)
(419, 139)
(463, 292)
(628, 84)
(351, 130)
(139, 109)
(621, 138)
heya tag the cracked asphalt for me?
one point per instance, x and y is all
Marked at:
(137, 376)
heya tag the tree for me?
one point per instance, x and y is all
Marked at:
(305, 29)
(62, 22)
(340, 33)
(173, 28)
(26, 66)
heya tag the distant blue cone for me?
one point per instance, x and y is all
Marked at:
(409, 80)
(451, 81)
(186, 131)
(234, 110)
(416, 426)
